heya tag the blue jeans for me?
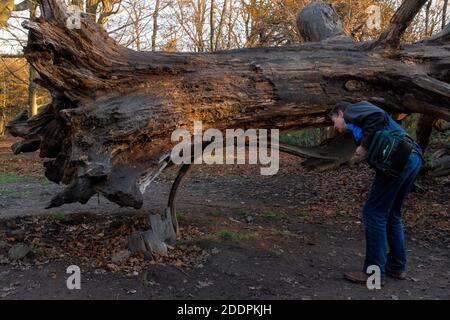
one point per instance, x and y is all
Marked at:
(383, 218)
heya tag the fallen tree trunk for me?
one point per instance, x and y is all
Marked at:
(114, 109)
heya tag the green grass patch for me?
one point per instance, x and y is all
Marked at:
(228, 235)
(59, 216)
(220, 235)
(275, 216)
(303, 213)
(10, 177)
(283, 233)
(44, 181)
(181, 216)
(216, 213)
(8, 192)
(306, 137)
(35, 249)
(180, 242)
(241, 213)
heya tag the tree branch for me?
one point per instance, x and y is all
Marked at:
(402, 18)
(12, 56)
(53, 10)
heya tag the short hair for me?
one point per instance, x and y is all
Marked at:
(340, 106)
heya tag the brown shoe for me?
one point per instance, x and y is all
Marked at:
(400, 275)
(359, 277)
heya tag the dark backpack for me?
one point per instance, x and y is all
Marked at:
(389, 152)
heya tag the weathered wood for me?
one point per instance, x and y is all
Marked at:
(318, 21)
(114, 109)
(154, 241)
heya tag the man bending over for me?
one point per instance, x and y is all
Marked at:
(382, 212)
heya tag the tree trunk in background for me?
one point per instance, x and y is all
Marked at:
(230, 25)
(114, 109)
(426, 123)
(427, 19)
(2, 108)
(32, 87)
(211, 26)
(2, 122)
(444, 14)
(155, 24)
(424, 129)
(220, 26)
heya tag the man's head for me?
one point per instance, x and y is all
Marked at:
(337, 115)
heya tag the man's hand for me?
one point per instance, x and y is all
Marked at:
(360, 151)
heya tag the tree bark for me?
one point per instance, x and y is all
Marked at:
(114, 109)
(220, 26)
(427, 18)
(444, 13)
(2, 122)
(424, 129)
(32, 88)
(211, 26)
(155, 24)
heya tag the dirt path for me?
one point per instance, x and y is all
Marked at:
(287, 270)
(290, 236)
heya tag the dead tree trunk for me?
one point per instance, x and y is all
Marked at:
(114, 109)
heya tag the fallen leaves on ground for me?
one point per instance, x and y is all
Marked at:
(92, 241)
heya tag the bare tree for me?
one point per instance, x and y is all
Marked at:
(444, 14)
(427, 18)
(155, 24)
(32, 88)
(211, 25)
(220, 25)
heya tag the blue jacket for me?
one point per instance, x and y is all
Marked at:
(363, 119)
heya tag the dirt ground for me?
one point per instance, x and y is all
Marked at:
(244, 236)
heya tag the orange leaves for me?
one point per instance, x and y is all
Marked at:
(6, 8)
